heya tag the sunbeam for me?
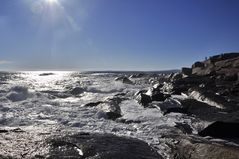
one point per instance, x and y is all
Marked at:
(53, 13)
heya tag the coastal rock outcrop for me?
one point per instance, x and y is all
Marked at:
(213, 81)
(224, 64)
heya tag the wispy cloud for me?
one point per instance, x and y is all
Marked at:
(2, 62)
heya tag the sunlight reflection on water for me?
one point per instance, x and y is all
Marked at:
(45, 80)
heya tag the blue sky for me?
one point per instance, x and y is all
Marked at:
(114, 34)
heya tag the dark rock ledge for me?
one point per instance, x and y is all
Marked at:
(74, 146)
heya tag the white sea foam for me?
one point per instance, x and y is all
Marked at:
(29, 99)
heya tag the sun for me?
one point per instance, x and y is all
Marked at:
(52, 1)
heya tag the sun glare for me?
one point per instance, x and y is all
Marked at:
(51, 1)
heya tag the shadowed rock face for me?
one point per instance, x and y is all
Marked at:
(143, 99)
(99, 146)
(221, 129)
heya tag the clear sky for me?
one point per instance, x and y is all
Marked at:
(114, 34)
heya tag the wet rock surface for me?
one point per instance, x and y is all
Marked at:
(100, 146)
(80, 145)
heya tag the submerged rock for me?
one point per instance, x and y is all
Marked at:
(18, 93)
(125, 121)
(93, 104)
(57, 94)
(124, 80)
(77, 91)
(46, 74)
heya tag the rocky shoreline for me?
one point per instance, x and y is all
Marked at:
(211, 88)
(208, 92)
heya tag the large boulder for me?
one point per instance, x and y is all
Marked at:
(110, 108)
(198, 64)
(170, 105)
(156, 95)
(143, 99)
(202, 110)
(176, 76)
(186, 71)
(209, 97)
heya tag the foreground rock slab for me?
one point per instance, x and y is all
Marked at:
(100, 146)
(71, 145)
